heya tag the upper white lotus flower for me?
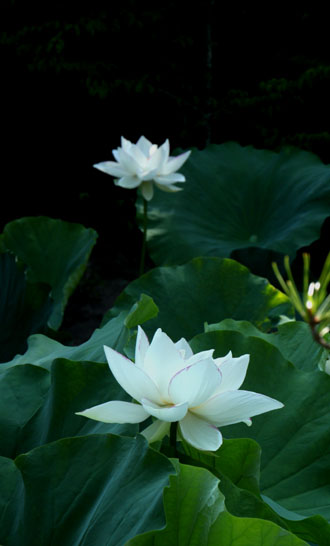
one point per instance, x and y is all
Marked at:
(142, 163)
(172, 384)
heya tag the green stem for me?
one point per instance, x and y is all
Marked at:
(173, 433)
(144, 242)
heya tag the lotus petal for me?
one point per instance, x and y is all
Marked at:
(131, 378)
(199, 433)
(195, 384)
(156, 431)
(116, 411)
(165, 413)
(233, 371)
(228, 408)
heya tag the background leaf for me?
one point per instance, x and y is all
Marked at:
(56, 253)
(100, 489)
(239, 197)
(23, 390)
(38, 407)
(293, 339)
(205, 289)
(24, 307)
(42, 350)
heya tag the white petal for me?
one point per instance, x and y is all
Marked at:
(156, 431)
(128, 182)
(222, 359)
(144, 144)
(233, 371)
(139, 156)
(153, 149)
(148, 174)
(174, 163)
(164, 151)
(195, 384)
(162, 361)
(228, 408)
(125, 144)
(203, 355)
(115, 154)
(170, 179)
(112, 168)
(165, 413)
(116, 412)
(141, 347)
(128, 162)
(155, 160)
(169, 188)
(131, 378)
(199, 433)
(147, 190)
(183, 345)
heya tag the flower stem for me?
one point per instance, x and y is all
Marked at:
(173, 432)
(145, 223)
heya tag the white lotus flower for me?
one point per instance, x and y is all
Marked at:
(171, 384)
(143, 163)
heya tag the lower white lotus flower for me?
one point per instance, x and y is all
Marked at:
(172, 384)
(143, 163)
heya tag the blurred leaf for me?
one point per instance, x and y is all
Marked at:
(293, 339)
(239, 197)
(145, 309)
(56, 253)
(42, 350)
(24, 307)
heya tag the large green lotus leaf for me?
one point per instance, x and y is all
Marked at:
(293, 339)
(196, 515)
(24, 307)
(56, 253)
(238, 197)
(237, 464)
(295, 440)
(315, 529)
(93, 490)
(42, 350)
(116, 334)
(205, 289)
(23, 390)
(38, 407)
(10, 488)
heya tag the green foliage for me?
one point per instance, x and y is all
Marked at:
(71, 480)
(55, 252)
(239, 197)
(42, 350)
(295, 441)
(38, 407)
(237, 464)
(25, 307)
(83, 487)
(205, 289)
(196, 515)
(293, 339)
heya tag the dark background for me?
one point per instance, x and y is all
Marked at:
(78, 75)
